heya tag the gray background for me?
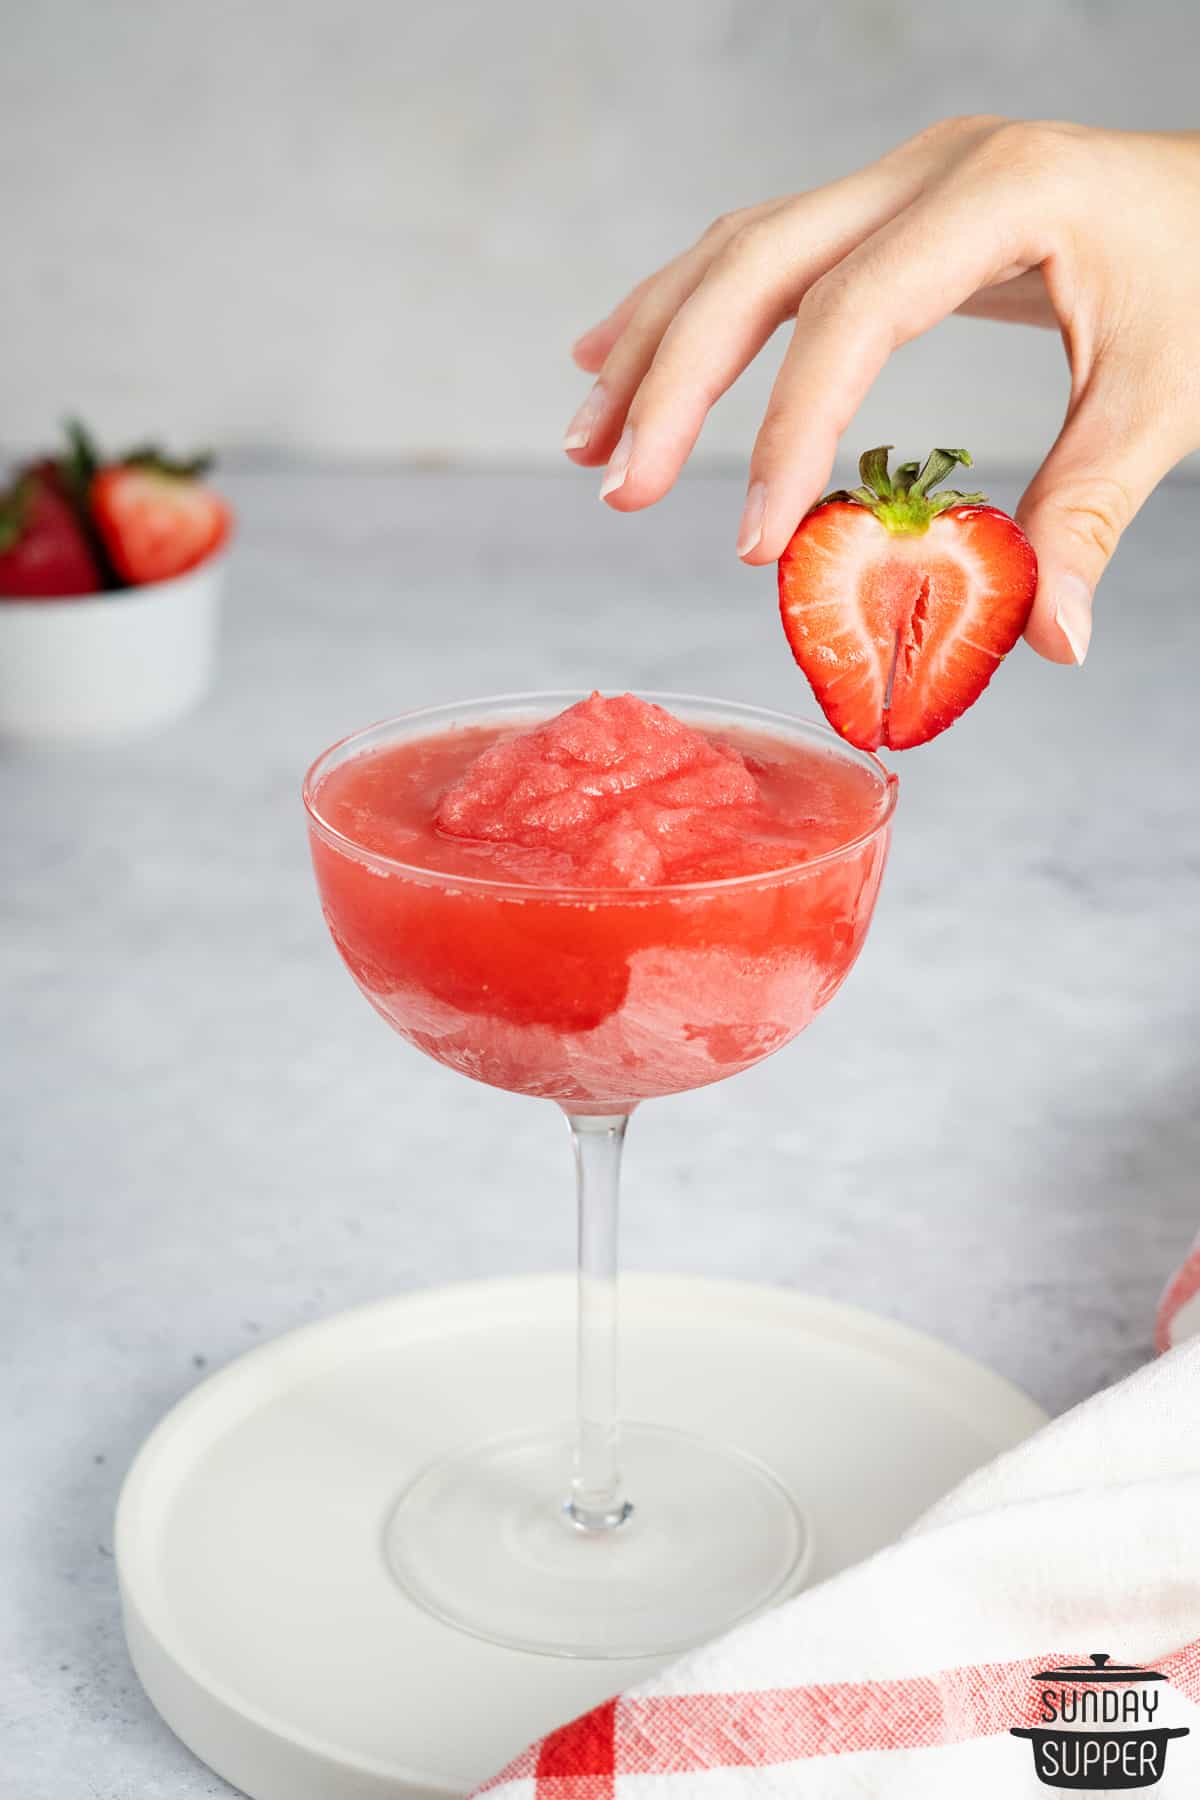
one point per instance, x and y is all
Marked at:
(373, 228)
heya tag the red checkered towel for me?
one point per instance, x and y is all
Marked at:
(904, 1676)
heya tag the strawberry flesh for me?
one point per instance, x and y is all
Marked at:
(155, 523)
(899, 608)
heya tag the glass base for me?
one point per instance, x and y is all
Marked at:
(483, 1539)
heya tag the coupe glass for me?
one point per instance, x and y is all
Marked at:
(606, 1540)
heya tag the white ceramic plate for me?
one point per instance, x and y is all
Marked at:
(258, 1610)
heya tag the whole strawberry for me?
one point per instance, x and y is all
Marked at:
(900, 604)
(44, 551)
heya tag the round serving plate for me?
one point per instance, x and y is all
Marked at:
(260, 1612)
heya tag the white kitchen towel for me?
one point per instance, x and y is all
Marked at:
(905, 1676)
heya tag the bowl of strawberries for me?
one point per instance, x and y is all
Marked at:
(110, 581)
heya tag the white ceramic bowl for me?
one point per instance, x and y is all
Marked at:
(108, 665)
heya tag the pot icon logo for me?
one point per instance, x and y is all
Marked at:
(1099, 1727)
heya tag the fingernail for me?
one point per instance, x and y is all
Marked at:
(1073, 614)
(753, 513)
(618, 464)
(579, 431)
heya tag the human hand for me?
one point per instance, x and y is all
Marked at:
(1089, 231)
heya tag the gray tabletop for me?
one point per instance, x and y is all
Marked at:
(207, 1136)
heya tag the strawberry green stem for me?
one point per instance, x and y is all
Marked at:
(77, 469)
(902, 501)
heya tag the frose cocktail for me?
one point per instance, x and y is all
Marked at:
(595, 901)
(605, 906)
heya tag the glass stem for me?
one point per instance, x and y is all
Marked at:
(596, 1502)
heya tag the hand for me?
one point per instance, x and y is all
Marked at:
(1093, 232)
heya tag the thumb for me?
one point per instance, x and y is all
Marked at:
(1084, 495)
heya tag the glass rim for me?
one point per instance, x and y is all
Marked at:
(379, 859)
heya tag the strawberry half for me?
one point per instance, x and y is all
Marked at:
(155, 518)
(900, 606)
(44, 554)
